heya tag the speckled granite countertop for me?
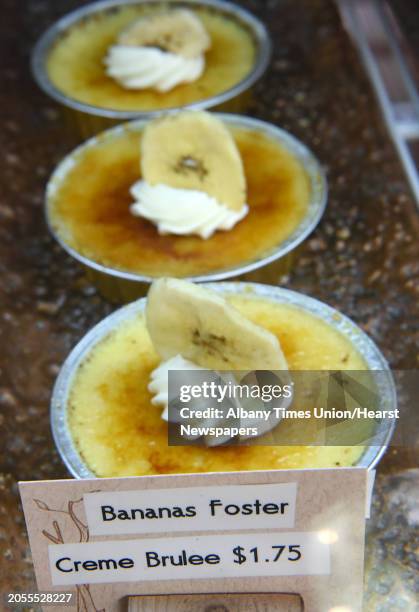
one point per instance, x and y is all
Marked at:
(363, 259)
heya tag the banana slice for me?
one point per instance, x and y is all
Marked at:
(189, 320)
(194, 150)
(176, 31)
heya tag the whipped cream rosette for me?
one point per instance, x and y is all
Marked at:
(194, 329)
(159, 51)
(193, 180)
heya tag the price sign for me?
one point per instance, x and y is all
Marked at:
(190, 557)
(293, 553)
(297, 531)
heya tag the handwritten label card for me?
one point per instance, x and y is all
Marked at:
(296, 531)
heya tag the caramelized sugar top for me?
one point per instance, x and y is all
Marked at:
(120, 433)
(75, 62)
(90, 210)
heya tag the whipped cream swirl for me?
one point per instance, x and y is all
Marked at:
(183, 211)
(159, 387)
(159, 381)
(148, 67)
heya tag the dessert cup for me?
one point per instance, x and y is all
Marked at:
(339, 333)
(87, 118)
(287, 194)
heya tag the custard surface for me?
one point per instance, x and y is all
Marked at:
(120, 433)
(75, 62)
(90, 210)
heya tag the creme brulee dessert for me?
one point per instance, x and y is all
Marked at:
(185, 195)
(116, 397)
(151, 56)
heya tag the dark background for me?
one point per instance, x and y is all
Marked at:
(363, 258)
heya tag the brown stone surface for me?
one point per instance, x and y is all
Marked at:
(363, 259)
